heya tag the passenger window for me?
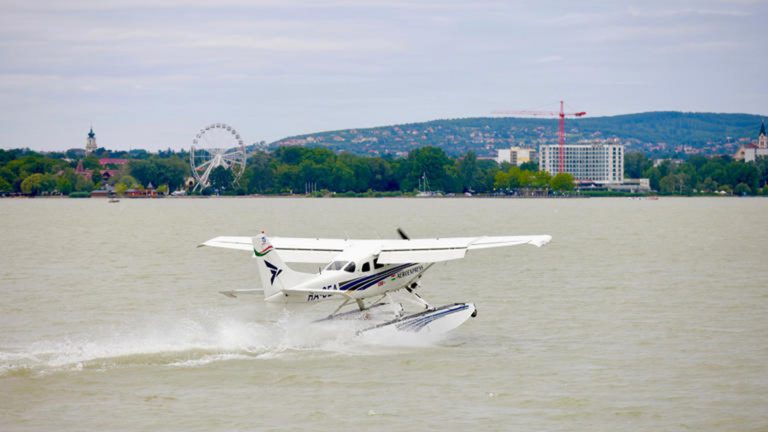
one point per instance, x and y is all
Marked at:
(376, 264)
(350, 267)
(366, 267)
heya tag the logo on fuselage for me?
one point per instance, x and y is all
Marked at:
(274, 270)
(417, 269)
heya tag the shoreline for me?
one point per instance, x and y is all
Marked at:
(461, 197)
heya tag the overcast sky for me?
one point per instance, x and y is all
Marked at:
(150, 73)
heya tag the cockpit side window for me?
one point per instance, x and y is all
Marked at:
(376, 264)
(350, 267)
(366, 267)
(336, 265)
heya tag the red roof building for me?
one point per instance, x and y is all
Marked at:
(108, 174)
(81, 171)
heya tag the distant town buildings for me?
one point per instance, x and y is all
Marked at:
(750, 152)
(515, 155)
(81, 171)
(112, 167)
(598, 163)
(108, 167)
(90, 144)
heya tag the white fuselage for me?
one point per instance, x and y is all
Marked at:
(361, 282)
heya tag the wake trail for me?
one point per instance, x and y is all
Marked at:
(196, 341)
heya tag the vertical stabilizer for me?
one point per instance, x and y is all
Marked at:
(275, 275)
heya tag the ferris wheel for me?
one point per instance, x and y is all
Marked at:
(216, 145)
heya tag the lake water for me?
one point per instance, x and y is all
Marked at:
(639, 315)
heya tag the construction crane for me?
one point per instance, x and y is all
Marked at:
(561, 130)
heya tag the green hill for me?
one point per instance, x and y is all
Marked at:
(659, 133)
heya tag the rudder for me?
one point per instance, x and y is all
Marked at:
(275, 275)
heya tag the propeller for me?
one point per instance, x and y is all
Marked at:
(403, 235)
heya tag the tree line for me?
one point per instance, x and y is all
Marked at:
(23, 171)
(700, 174)
(297, 170)
(287, 170)
(293, 169)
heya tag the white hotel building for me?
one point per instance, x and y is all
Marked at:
(597, 163)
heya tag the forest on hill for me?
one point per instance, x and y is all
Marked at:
(667, 133)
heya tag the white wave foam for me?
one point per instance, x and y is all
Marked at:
(197, 341)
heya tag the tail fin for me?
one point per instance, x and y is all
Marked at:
(275, 275)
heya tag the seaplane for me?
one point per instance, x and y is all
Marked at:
(364, 276)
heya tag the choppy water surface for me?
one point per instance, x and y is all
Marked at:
(640, 315)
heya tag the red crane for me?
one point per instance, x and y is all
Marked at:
(561, 130)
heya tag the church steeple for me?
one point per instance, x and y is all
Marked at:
(762, 128)
(90, 143)
(762, 139)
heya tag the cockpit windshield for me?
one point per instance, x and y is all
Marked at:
(336, 265)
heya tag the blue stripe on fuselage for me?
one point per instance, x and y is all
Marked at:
(367, 281)
(362, 283)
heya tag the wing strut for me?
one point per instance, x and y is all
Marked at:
(344, 303)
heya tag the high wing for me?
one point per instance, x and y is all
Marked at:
(291, 249)
(445, 249)
(317, 250)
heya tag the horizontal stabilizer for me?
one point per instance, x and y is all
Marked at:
(305, 291)
(235, 293)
